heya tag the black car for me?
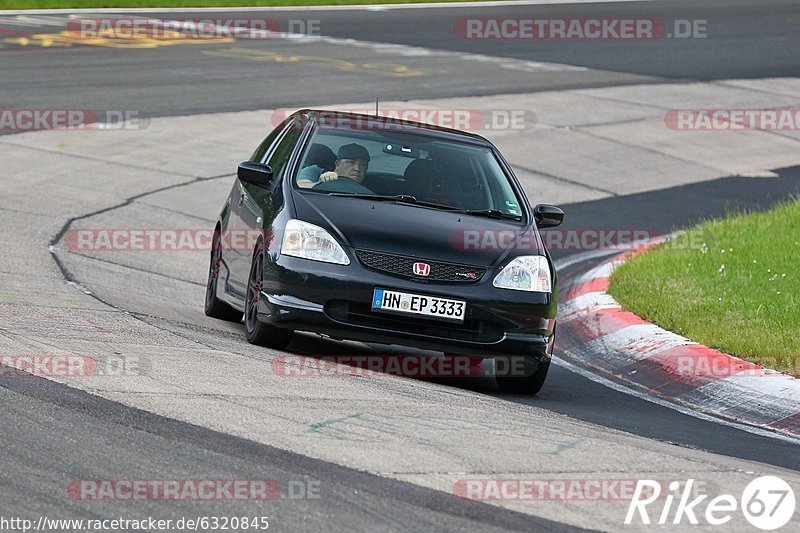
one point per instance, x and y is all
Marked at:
(376, 229)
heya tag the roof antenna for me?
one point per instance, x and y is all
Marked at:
(377, 113)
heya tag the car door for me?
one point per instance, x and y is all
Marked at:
(256, 206)
(236, 251)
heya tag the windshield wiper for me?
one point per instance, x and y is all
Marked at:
(490, 213)
(408, 199)
(405, 198)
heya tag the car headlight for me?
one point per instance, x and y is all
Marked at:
(301, 239)
(525, 273)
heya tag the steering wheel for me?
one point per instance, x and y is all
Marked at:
(342, 184)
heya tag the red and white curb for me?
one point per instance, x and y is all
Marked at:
(605, 337)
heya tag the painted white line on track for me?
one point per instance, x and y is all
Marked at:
(27, 20)
(591, 376)
(355, 7)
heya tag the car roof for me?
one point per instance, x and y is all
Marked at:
(424, 129)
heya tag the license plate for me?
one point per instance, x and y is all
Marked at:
(388, 301)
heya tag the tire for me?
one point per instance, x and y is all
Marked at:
(214, 307)
(531, 383)
(257, 332)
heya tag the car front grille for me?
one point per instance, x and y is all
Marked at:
(401, 265)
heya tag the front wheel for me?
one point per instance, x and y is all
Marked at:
(529, 382)
(256, 331)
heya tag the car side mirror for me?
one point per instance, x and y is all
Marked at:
(255, 173)
(548, 216)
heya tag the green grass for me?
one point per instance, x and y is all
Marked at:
(58, 4)
(750, 307)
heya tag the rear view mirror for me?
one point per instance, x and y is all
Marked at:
(548, 216)
(255, 173)
(401, 150)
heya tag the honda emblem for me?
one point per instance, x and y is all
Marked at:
(422, 269)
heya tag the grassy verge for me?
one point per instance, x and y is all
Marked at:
(65, 4)
(731, 284)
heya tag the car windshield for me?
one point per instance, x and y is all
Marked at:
(407, 162)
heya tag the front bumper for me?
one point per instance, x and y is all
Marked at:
(335, 300)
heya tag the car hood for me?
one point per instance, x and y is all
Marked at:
(416, 231)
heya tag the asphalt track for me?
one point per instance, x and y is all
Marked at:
(70, 434)
(744, 40)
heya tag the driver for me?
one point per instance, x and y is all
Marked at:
(352, 162)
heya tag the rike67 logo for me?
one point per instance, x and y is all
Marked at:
(767, 503)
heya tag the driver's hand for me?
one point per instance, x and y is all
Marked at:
(329, 176)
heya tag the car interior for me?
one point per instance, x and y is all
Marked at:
(430, 173)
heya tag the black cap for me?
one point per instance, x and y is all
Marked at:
(353, 151)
